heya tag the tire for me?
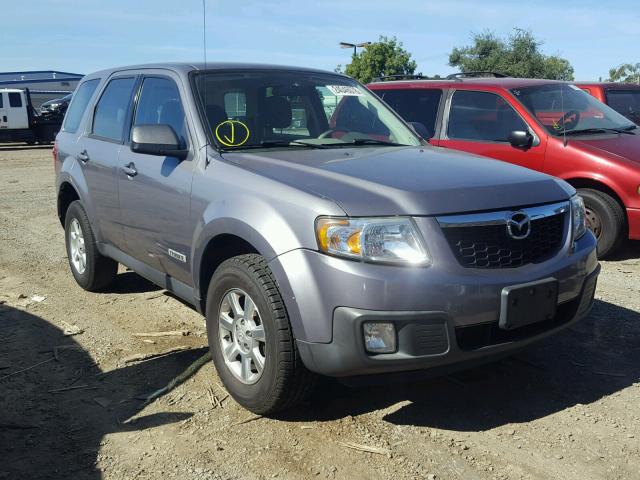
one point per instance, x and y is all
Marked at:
(99, 271)
(283, 380)
(606, 219)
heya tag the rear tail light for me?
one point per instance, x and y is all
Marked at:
(55, 153)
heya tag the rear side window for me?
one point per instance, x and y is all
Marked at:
(482, 116)
(111, 111)
(415, 105)
(1, 95)
(76, 109)
(160, 104)
(15, 100)
(235, 104)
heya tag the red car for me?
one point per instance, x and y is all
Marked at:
(624, 98)
(549, 126)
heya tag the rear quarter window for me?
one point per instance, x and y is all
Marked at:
(415, 105)
(78, 105)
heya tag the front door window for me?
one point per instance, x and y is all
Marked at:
(482, 116)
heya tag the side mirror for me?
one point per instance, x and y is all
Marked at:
(158, 140)
(421, 130)
(520, 139)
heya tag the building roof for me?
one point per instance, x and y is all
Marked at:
(38, 75)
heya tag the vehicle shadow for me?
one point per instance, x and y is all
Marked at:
(131, 282)
(49, 429)
(594, 358)
(630, 250)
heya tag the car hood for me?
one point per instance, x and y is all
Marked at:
(621, 145)
(405, 181)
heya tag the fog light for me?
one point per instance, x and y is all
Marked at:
(379, 337)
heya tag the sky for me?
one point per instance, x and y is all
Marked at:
(82, 36)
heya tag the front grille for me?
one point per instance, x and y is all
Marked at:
(490, 246)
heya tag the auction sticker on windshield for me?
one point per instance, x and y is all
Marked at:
(345, 90)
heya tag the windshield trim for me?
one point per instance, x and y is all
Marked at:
(199, 101)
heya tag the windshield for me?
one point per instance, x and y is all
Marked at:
(288, 109)
(563, 108)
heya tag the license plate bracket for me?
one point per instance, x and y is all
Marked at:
(528, 303)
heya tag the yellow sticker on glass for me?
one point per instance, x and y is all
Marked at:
(232, 133)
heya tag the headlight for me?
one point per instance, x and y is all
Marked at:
(390, 240)
(578, 217)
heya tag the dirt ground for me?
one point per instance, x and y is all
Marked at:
(567, 409)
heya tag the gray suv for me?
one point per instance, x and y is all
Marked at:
(317, 232)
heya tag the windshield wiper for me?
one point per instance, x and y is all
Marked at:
(373, 141)
(289, 143)
(274, 144)
(586, 131)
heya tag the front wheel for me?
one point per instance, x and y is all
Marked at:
(606, 219)
(250, 338)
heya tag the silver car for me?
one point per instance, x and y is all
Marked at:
(343, 245)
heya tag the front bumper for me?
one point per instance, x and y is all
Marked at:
(451, 308)
(430, 340)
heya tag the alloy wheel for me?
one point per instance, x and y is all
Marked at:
(242, 336)
(77, 251)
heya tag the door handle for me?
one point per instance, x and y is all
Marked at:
(130, 170)
(83, 157)
(4, 118)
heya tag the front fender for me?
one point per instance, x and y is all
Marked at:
(281, 237)
(605, 180)
(274, 218)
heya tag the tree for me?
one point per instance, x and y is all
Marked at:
(518, 55)
(625, 73)
(384, 57)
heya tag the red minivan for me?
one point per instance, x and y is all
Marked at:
(624, 98)
(549, 126)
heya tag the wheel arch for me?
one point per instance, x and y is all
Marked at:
(585, 182)
(72, 185)
(66, 195)
(218, 249)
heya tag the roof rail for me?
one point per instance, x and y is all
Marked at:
(389, 78)
(461, 75)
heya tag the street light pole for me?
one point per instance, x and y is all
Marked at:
(355, 46)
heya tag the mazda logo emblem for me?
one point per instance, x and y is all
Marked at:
(518, 225)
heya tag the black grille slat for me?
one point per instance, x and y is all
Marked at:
(489, 246)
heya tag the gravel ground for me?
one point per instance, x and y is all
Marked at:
(566, 409)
